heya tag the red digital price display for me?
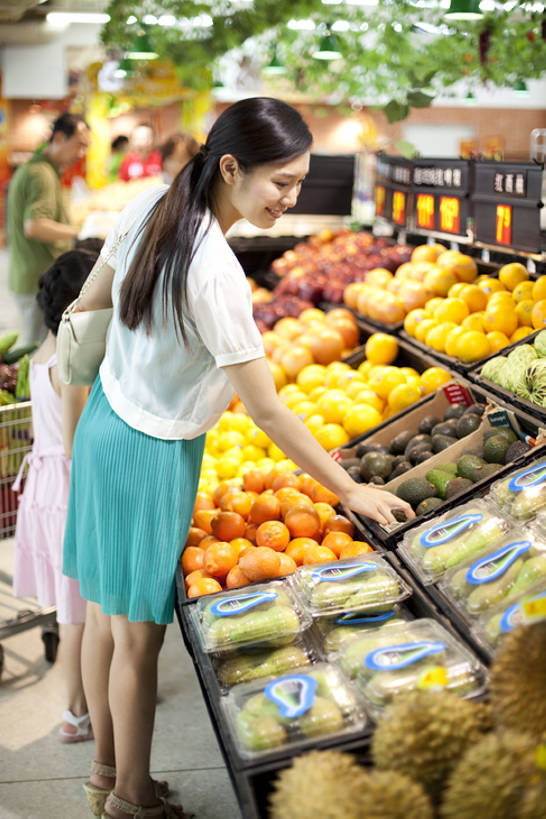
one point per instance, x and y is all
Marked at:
(379, 200)
(399, 207)
(503, 232)
(450, 214)
(425, 211)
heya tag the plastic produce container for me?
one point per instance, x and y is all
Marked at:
(366, 583)
(248, 664)
(419, 654)
(497, 574)
(449, 540)
(523, 493)
(293, 711)
(500, 620)
(269, 614)
(333, 632)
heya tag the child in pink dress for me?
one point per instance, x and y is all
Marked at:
(42, 509)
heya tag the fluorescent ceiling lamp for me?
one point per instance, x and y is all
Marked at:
(328, 48)
(149, 20)
(464, 10)
(301, 25)
(142, 49)
(131, 20)
(341, 25)
(167, 20)
(64, 18)
(275, 67)
(521, 89)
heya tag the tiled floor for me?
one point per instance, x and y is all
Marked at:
(39, 777)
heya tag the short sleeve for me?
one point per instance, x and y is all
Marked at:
(42, 189)
(222, 312)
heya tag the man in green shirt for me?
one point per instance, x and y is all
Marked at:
(37, 224)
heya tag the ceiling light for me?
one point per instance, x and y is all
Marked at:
(301, 25)
(131, 20)
(124, 69)
(470, 99)
(464, 10)
(275, 67)
(521, 89)
(167, 20)
(341, 25)
(328, 48)
(64, 18)
(142, 49)
(149, 20)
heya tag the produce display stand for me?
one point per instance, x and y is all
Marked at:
(408, 355)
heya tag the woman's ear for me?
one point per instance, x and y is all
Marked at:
(229, 168)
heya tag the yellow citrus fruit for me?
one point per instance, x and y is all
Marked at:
(331, 436)
(451, 340)
(278, 373)
(229, 439)
(432, 305)
(474, 297)
(436, 337)
(513, 274)
(491, 286)
(456, 289)
(413, 318)
(310, 377)
(520, 333)
(427, 253)
(316, 393)
(505, 298)
(439, 280)
(500, 317)
(355, 387)
(523, 291)
(423, 328)
(408, 371)
(539, 289)
(386, 381)
(253, 453)
(294, 399)
(360, 418)
(472, 346)
(414, 381)
(367, 396)
(364, 368)
(455, 310)
(538, 315)
(304, 409)
(289, 389)
(403, 396)
(473, 322)
(344, 380)
(459, 264)
(497, 340)
(433, 378)
(381, 348)
(314, 423)
(275, 453)
(524, 312)
(333, 405)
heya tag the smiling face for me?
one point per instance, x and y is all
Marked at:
(264, 193)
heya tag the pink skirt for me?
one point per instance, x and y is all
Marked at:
(39, 534)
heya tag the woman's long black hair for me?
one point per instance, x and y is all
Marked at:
(255, 131)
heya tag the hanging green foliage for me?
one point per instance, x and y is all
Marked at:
(396, 52)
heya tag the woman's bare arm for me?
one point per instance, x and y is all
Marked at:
(72, 401)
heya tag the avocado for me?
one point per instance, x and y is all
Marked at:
(415, 442)
(347, 463)
(457, 485)
(496, 448)
(446, 428)
(401, 468)
(375, 463)
(440, 480)
(377, 479)
(370, 446)
(400, 442)
(467, 423)
(476, 409)
(421, 455)
(448, 467)
(441, 442)
(516, 450)
(482, 472)
(415, 453)
(398, 459)
(508, 433)
(454, 411)
(467, 463)
(354, 473)
(428, 505)
(399, 515)
(415, 490)
(428, 423)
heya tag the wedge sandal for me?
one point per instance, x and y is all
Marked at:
(82, 724)
(96, 797)
(163, 809)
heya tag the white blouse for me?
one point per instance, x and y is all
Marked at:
(154, 382)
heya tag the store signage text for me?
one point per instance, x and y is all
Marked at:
(503, 231)
(399, 207)
(450, 214)
(379, 200)
(438, 177)
(512, 183)
(425, 211)
(401, 174)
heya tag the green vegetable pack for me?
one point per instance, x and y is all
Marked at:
(449, 540)
(512, 612)
(522, 493)
(419, 654)
(334, 632)
(293, 710)
(500, 573)
(266, 614)
(254, 663)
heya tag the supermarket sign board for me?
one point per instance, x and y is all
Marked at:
(441, 195)
(507, 203)
(392, 191)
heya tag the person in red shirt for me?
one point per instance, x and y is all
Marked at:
(142, 159)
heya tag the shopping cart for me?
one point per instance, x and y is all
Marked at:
(18, 615)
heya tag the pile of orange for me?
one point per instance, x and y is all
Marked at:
(265, 528)
(479, 319)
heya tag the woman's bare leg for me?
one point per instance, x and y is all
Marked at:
(97, 649)
(71, 664)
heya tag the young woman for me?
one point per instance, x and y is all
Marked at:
(182, 340)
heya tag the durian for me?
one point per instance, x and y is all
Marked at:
(518, 681)
(423, 734)
(498, 778)
(389, 795)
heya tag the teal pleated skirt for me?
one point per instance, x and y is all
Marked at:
(129, 510)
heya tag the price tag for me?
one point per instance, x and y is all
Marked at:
(425, 211)
(534, 610)
(336, 455)
(503, 231)
(457, 394)
(399, 207)
(450, 218)
(379, 200)
(435, 677)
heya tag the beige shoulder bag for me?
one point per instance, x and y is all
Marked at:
(81, 337)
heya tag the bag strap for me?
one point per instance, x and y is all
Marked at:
(95, 272)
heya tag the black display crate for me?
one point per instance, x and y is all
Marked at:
(441, 198)
(392, 192)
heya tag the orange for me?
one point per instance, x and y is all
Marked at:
(325, 511)
(220, 558)
(427, 253)
(298, 499)
(356, 548)
(236, 501)
(433, 378)
(523, 290)
(459, 264)
(219, 492)
(265, 507)
(500, 318)
(336, 541)
(260, 563)
(404, 395)
(288, 565)
(320, 554)
(296, 548)
(193, 558)
(331, 436)
(473, 322)
(451, 340)
(538, 316)
(250, 532)
(339, 523)
(451, 310)
(383, 383)
(195, 575)
(413, 318)
(320, 494)
(236, 578)
(520, 333)
(423, 328)
(491, 286)
(497, 340)
(381, 348)
(285, 481)
(437, 336)
(302, 521)
(203, 501)
(273, 533)
(228, 525)
(206, 585)
(253, 481)
(524, 311)
(195, 535)
(539, 289)
(202, 519)
(472, 346)
(360, 418)
(474, 297)
(242, 545)
(439, 281)
(205, 543)
(503, 298)
(513, 274)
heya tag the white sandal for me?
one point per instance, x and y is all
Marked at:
(83, 732)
